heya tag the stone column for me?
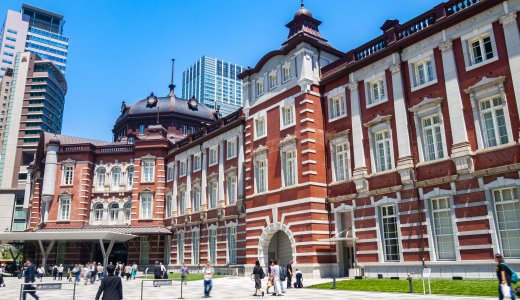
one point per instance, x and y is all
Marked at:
(240, 175)
(221, 200)
(460, 151)
(49, 178)
(203, 181)
(174, 191)
(513, 51)
(404, 163)
(360, 169)
(187, 201)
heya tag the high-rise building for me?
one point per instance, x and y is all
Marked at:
(214, 83)
(32, 98)
(34, 30)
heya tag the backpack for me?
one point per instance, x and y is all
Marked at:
(283, 273)
(514, 275)
(262, 274)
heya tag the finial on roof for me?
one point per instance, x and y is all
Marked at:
(301, 5)
(172, 86)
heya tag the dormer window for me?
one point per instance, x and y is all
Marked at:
(286, 71)
(273, 79)
(260, 86)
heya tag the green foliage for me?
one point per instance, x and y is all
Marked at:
(440, 287)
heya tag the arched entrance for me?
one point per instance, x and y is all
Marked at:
(276, 242)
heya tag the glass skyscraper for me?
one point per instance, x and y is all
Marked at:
(214, 83)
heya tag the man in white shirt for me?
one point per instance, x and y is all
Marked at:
(208, 272)
(276, 278)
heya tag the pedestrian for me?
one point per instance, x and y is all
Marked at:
(76, 271)
(269, 276)
(208, 272)
(29, 275)
(111, 286)
(299, 279)
(86, 273)
(289, 274)
(93, 272)
(184, 274)
(54, 272)
(101, 271)
(164, 274)
(60, 272)
(2, 270)
(128, 272)
(258, 275)
(504, 274)
(134, 270)
(118, 269)
(41, 272)
(157, 273)
(278, 279)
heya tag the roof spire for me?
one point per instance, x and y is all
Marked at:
(301, 5)
(172, 86)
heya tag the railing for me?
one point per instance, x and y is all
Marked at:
(416, 25)
(453, 7)
(75, 148)
(213, 127)
(116, 149)
(232, 117)
(370, 48)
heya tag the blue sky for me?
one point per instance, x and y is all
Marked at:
(121, 49)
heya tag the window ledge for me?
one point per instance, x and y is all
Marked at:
(337, 118)
(427, 84)
(340, 182)
(63, 221)
(259, 137)
(231, 157)
(287, 126)
(497, 147)
(375, 174)
(377, 103)
(66, 185)
(147, 182)
(431, 162)
(480, 64)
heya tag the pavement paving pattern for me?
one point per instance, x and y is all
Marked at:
(223, 288)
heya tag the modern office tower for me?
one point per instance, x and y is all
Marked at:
(214, 82)
(32, 97)
(34, 30)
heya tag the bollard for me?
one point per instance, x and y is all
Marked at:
(334, 283)
(409, 278)
(181, 290)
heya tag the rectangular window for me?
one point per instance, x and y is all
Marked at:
(197, 162)
(493, 121)
(182, 202)
(260, 130)
(212, 241)
(273, 80)
(213, 188)
(213, 155)
(382, 151)
(12, 31)
(286, 71)
(261, 176)
(180, 247)
(169, 172)
(287, 113)
(432, 137)
(141, 129)
(340, 161)
(507, 205)
(64, 208)
(337, 107)
(231, 148)
(195, 248)
(232, 245)
(481, 49)
(231, 184)
(148, 171)
(196, 199)
(443, 229)
(146, 206)
(289, 167)
(423, 71)
(390, 233)
(68, 174)
(182, 168)
(260, 86)
(376, 90)
(184, 130)
(168, 205)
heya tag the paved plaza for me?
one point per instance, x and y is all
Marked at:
(223, 288)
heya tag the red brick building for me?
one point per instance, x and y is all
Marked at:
(399, 154)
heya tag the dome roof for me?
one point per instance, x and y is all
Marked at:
(303, 11)
(167, 105)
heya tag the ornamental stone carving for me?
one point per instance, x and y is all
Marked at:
(395, 68)
(507, 19)
(352, 86)
(446, 46)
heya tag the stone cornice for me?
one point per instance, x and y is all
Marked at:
(445, 46)
(509, 18)
(378, 119)
(288, 140)
(484, 83)
(426, 103)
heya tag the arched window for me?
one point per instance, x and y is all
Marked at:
(130, 171)
(98, 212)
(128, 210)
(116, 176)
(100, 177)
(113, 211)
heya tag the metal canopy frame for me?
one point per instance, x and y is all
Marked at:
(79, 235)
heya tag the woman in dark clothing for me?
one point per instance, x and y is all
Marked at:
(258, 274)
(504, 277)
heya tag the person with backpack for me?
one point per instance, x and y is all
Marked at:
(299, 279)
(269, 276)
(258, 274)
(289, 274)
(505, 276)
(278, 279)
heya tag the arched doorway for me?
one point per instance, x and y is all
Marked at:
(280, 248)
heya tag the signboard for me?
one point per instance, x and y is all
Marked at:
(162, 282)
(48, 286)
(426, 272)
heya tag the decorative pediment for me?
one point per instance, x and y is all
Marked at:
(378, 119)
(260, 150)
(146, 190)
(149, 156)
(426, 103)
(338, 134)
(288, 140)
(68, 161)
(196, 181)
(65, 193)
(485, 83)
(231, 169)
(213, 175)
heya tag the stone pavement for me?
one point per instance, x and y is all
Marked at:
(223, 288)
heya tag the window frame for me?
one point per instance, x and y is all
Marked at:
(212, 245)
(378, 78)
(169, 172)
(333, 115)
(113, 176)
(423, 58)
(256, 119)
(195, 247)
(148, 165)
(65, 171)
(98, 213)
(212, 186)
(382, 217)
(65, 200)
(287, 120)
(213, 155)
(111, 210)
(101, 171)
(273, 75)
(197, 162)
(234, 143)
(264, 181)
(183, 166)
(478, 34)
(231, 188)
(286, 66)
(231, 231)
(334, 143)
(437, 210)
(513, 201)
(142, 197)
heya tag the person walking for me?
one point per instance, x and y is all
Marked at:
(504, 274)
(41, 272)
(86, 273)
(157, 272)
(289, 274)
(29, 275)
(134, 270)
(54, 272)
(208, 272)
(128, 272)
(269, 276)
(278, 284)
(93, 272)
(100, 271)
(60, 272)
(111, 286)
(76, 271)
(164, 274)
(184, 274)
(258, 274)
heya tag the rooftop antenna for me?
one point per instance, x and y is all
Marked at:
(172, 86)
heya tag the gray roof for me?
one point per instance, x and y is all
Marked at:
(71, 140)
(168, 105)
(115, 229)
